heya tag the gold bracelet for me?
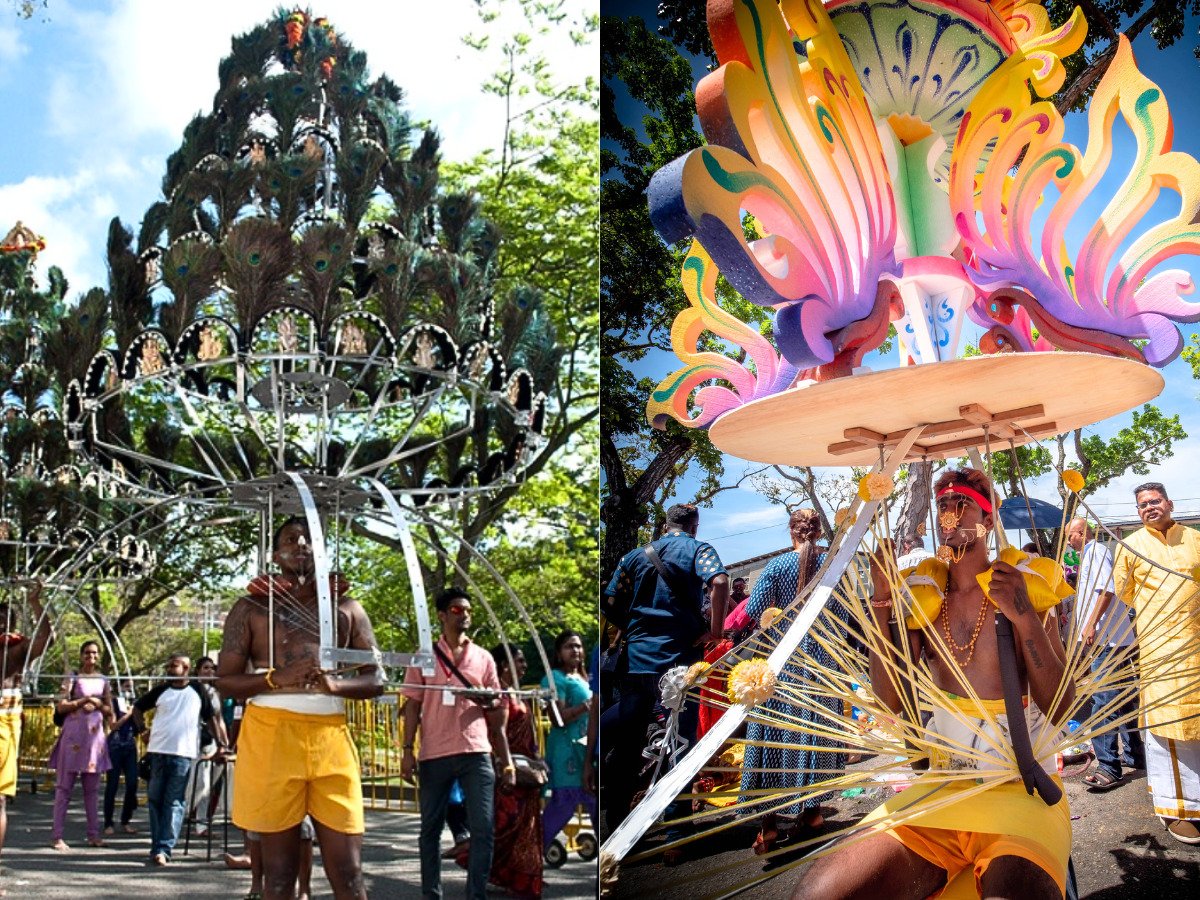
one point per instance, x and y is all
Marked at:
(271, 684)
(509, 768)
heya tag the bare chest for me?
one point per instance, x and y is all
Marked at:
(962, 647)
(293, 631)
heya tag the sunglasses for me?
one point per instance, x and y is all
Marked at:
(457, 609)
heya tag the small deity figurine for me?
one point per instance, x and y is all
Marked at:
(152, 268)
(289, 335)
(424, 358)
(152, 360)
(211, 346)
(353, 340)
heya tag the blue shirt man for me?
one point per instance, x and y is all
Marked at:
(665, 618)
(662, 626)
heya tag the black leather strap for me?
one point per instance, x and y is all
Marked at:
(1032, 774)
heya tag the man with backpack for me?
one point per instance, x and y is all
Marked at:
(655, 597)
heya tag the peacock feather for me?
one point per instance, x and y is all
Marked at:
(191, 268)
(257, 255)
(323, 263)
(288, 182)
(68, 349)
(131, 306)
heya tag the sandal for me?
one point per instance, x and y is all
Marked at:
(1101, 781)
(767, 836)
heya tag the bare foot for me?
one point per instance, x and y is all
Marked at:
(108, 829)
(96, 842)
(237, 862)
(60, 845)
(129, 829)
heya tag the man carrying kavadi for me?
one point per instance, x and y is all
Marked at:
(1017, 843)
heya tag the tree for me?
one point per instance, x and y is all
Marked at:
(539, 188)
(1105, 18)
(301, 205)
(639, 283)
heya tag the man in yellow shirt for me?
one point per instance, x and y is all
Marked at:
(1154, 574)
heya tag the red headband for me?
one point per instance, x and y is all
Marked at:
(966, 491)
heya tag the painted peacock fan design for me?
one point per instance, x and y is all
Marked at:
(307, 297)
(895, 162)
(891, 156)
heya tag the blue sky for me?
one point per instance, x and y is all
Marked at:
(96, 95)
(741, 523)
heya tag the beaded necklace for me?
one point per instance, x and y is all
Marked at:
(968, 647)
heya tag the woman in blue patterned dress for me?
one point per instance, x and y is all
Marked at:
(777, 586)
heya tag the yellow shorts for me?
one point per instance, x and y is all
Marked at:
(10, 749)
(1001, 821)
(290, 764)
(955, 851)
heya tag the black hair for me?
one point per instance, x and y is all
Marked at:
(560, 642)
(448, 596)
(205, 659)
(1151, 486)
(683, 515)
(501, 652)
(89, 643)
(290, 520)
(739, 578)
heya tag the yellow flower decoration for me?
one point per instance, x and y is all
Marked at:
(751, 682)
(695, 675)
(1073, 479)
(1195, 573)
(875, 486)
(770, 614)
(843, 519)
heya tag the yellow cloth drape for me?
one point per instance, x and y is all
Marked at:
(1167, 608)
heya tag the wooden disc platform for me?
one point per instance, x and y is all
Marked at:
(1013, 396)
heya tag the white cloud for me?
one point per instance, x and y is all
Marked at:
(12, 48)
(156, 71)
(68, 212)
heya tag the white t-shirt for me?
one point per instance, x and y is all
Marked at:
(177, 715)
(1096, 575)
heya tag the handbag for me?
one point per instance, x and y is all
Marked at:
(144, 767)
(60, 718)
(531, 771)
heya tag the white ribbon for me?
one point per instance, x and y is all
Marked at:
(667, 742)
(925, 580)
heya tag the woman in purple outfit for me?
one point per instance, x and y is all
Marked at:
(81, 749)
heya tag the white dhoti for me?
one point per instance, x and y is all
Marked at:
(1173, 776)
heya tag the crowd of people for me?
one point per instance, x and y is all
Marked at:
(270, 712)
(666, 606)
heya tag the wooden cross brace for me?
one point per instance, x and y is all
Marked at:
(973, 419)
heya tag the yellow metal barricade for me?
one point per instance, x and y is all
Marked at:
(38, 734)
(377, 727)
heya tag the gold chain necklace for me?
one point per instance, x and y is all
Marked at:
(969, 647)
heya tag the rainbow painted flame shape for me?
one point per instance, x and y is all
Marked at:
(892, 155)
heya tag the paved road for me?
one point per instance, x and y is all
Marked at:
(1121, 852)
(119, 871)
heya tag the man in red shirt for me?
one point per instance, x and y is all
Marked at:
(460, 731)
